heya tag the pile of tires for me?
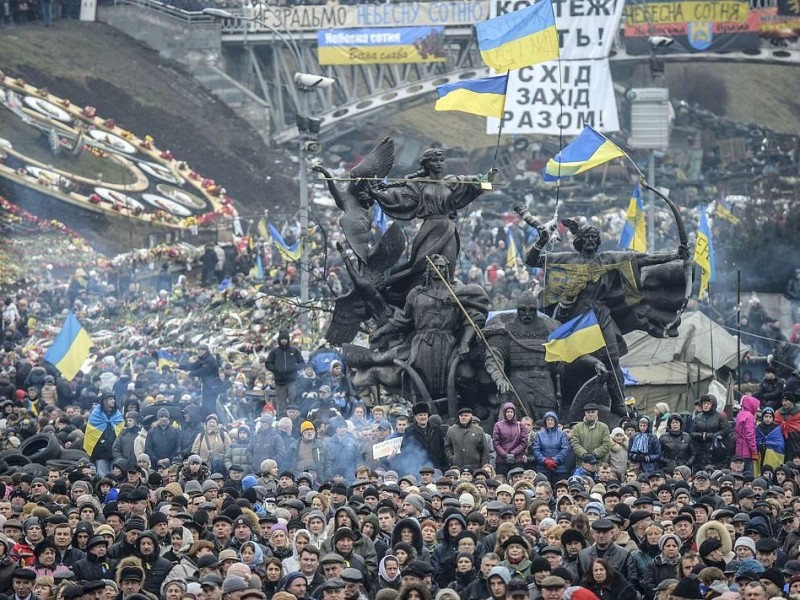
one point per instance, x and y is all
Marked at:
(38, 453)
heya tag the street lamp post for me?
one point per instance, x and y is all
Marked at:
(304, 83)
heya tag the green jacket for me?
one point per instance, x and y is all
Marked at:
(591, 439)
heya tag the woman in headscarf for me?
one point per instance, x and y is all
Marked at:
(551, 450)
(389, 573)
(660, 418)
(644, 448)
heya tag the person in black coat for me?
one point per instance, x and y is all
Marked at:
(123, 445)
(423, 443)
(284, 362)
(676, 445)
(206, 368)
(707, 425)
(163, 440)
(96, 565)
(156, 567)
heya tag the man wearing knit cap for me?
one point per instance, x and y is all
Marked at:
(688, 588)
(308, 453)
(413, 505)
(163, 440)
(232, 587)
(127, 545)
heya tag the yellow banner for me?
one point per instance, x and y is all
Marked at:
(373, 55)
(566, 281)
(724, 11)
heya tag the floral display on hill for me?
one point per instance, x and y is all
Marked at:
(72, 154)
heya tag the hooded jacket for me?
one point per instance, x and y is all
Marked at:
(444, 557)
(284, 361)
(123, 446)
(268, 443)
(676, 447)
(362, 545)
(746, 428)
(645, 449)
(163, 442)
(92, 568)
(551, 443)
(156, 567)
(509, 435)
(722, 534)
(705, 426)
(292, 563)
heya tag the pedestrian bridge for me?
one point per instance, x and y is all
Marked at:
(259, 48)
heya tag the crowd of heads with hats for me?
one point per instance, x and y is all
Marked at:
(211, 522)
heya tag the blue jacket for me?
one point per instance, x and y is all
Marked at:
(552, 443)
(343, 456)
(645, 449)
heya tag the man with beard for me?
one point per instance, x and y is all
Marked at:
(517, 357)
(588, 279)
(284, 361)
(156, 567)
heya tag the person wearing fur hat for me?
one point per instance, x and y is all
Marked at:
(46, 563)
(717, 531)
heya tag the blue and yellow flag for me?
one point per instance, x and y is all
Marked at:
(578, 337)
(166, 359)
(634, 234)
(98, 421)
(585, 152)
(519, 39)
(70, 348)
(485, 97)
(724, 211)
(291, 253)
(512, 252)
(262, 229)
(704, 253)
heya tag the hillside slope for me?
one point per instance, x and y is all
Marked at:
(93, 64)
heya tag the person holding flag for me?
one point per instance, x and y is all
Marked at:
(104, 425)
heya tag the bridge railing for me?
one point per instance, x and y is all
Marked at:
(169, 11)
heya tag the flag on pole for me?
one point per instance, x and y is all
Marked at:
(704, 253)
(70, 348)
(519, 39)
(259, 268)
(634, 234)
(485, 97)
(512, 252)
(585, 152)
(291, 253)
(575, 338)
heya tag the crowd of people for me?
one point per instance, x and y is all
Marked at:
(215, 476)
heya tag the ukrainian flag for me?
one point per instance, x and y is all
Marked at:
(70, 348)
(724, 211)
(578, 337)
(585, 152)
(704, 253)
(166, 359)
(98, 422)
(291, 253)
(520, 38)
(634, 234)
(512, 253)
(485, 97)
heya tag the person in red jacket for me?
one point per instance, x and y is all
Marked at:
(510, 438)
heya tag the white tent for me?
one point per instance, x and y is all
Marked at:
(677, 370)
